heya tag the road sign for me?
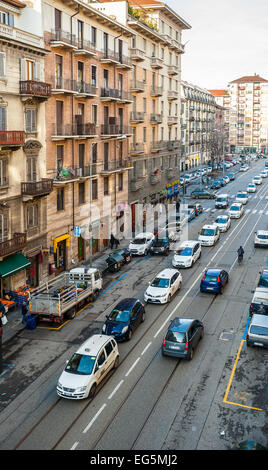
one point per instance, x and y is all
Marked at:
(76, 231)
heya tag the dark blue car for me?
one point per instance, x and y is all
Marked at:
(124, 319)
(215, 185)
(214, 280)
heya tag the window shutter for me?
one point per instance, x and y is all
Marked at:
(35, 209)
(2, 64)
(37, 71)
(23, 69)
(4, 172)
(3, 227)
(3, 118)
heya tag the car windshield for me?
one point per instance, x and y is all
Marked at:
(241, 195)
(184, 251)
(234, 208)
(251, 186)
(208, 232)
(221, 220)
(211, 278)
(159, 243)
(120, 316)
(259, 330)
(262, 237)
(160, 282)
(263, 282)
(221, 198)
(139, 241)
(80, 364)
(175, 336)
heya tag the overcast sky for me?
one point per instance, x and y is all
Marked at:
(228, 39)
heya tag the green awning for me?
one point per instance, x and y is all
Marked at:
(13, 264)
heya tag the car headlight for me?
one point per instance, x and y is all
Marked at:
(124, 330)
(59, 385)
(104, 328)
(80, 389)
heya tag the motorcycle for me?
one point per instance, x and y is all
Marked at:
(240, 259)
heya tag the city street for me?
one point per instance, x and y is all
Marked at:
(150, 401)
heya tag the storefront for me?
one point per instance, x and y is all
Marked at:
(173, 190)
(32, 272)
(12, 272)
(60, 253)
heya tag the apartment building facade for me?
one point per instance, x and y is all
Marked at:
(155, 51)
(248, 123)
(24, 186)
(87, 128)
(198, 122)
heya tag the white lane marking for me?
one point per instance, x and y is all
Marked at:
(115, 390)
(74, 445)
(145, 349)
(94, 418)
(254, 211)
(132, 367)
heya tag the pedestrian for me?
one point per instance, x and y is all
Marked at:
(112, 241)
(117, 242)
(24, 311)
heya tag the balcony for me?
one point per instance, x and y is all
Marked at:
(156, 118)
(124, 62)
(37, 188)
(32, 88)
(172, 95)
(155, 178)
(137, 117)
(136, 184)
(172, 120)
(177, 46)
(157, 91)
(156, 63)
(170, 173)
(73, 131)
(85, 48)
(12, 139)
(137, 86)
(119, 165)
(113, 94)
(109, 57)
(15, 244)
(63, 39)
(61, 86)
(114, 130)
(157, 145)
(137, 148)
(85, 90)
(173, 70)
(136, 54)
(64, 175)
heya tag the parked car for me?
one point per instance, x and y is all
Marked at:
(222, 182)
(257, 180)
(160, 246)
(141, 244)
(261, 238)
(182, 337)
(209, 235)
(214, 280)
(87, 367)
(226, 179)
(190, 214)
(260, 296)
(257, 334)
(231, 176)
(197, 208)
(251, 188)
(202, 194)
(263, 279)
(264, 173)
(124, 319)
(163, 286)
(117, 259)
(187, 254)
(215, 185)
(223, 222)
(242, 196)
(236, 210)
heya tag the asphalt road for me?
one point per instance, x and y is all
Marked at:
(153, 402)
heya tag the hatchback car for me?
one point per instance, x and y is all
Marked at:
(231, 176)
(141, 244)
(223, 222)
(222, 182)
(259, 301)
(214, 280)
(264, 174)
(226, 178)
(261, 239)
(164, 286)
(251, 188)
(215, 185)
(182, 337)
(202, 194)
(263, 279)
(187, 254)
(257, 180)
(124, 319)
(209, 235)
(257, 334)
(236, 210)
(160, 246)
(242, 197)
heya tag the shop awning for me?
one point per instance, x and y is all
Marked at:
(13, 264)
(60, 239)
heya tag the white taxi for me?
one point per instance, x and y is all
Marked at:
(257, 180)
(209, 235)
(251, 188)
(223, 222)
(163, 286)
(187, 254)
(242, 197)
(236, 210)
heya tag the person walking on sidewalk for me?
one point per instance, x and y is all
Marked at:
(24, 311)
(112, 241)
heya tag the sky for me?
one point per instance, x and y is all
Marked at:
(228, 39)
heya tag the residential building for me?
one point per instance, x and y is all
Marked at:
(87, 128)
(155, 51)
(23, 183)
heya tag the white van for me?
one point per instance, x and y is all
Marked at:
(209, 235)
(88, 367)
(221, 201)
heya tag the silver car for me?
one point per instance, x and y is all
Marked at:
(257, 334)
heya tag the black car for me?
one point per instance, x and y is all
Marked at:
(202, 194)
(160, 246)
(263, 280)
(117, 259)
(124, 319)
(222, 182)
(182, 337)
(215, 185)
(197, 208)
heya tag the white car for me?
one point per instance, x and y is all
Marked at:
(209, 235)
(226, 178)
(164, 286)
(257, 180)
(88, 366)
(251, 188)
(236, 210)
(261, 238)
(244, 168)
(187, 254)
(141, 244)
(223, 222)
(264, 174)
(242, 196)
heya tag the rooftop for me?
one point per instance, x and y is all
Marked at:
(250, 79)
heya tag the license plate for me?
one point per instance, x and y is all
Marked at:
(174, 347)
(209, 288)
(258, 344)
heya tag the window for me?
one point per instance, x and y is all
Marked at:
(93, 75)
(60, 199)
(32, 216)
(3, 172)
(60, 153)
(80, 28)
(81, 191)
(95, 114)
(30, 120)
(2, 65)
(6, 18)
(3, 118)
(94, 36)
(31, 169)
(120, 182)
(101, 358)
(94, 189)
(144, 135)
(108, 348)
(106, 185)
(3, 227)
(144, 77)
(144, 105)
(94, 153)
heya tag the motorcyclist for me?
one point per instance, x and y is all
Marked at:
(240, 252)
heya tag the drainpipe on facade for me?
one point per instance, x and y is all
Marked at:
(115, 149)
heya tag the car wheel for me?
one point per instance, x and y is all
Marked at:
(169, 298)
(129, 335)
(92, 391)
(202, 334)
(143, 317)
(190, 355)
(221, 291)
(146, 252)
(116, 362)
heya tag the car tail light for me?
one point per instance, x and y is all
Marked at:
(186, 346)
(164, 342)
(218, 279)
(251, 307)
(203, 278)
